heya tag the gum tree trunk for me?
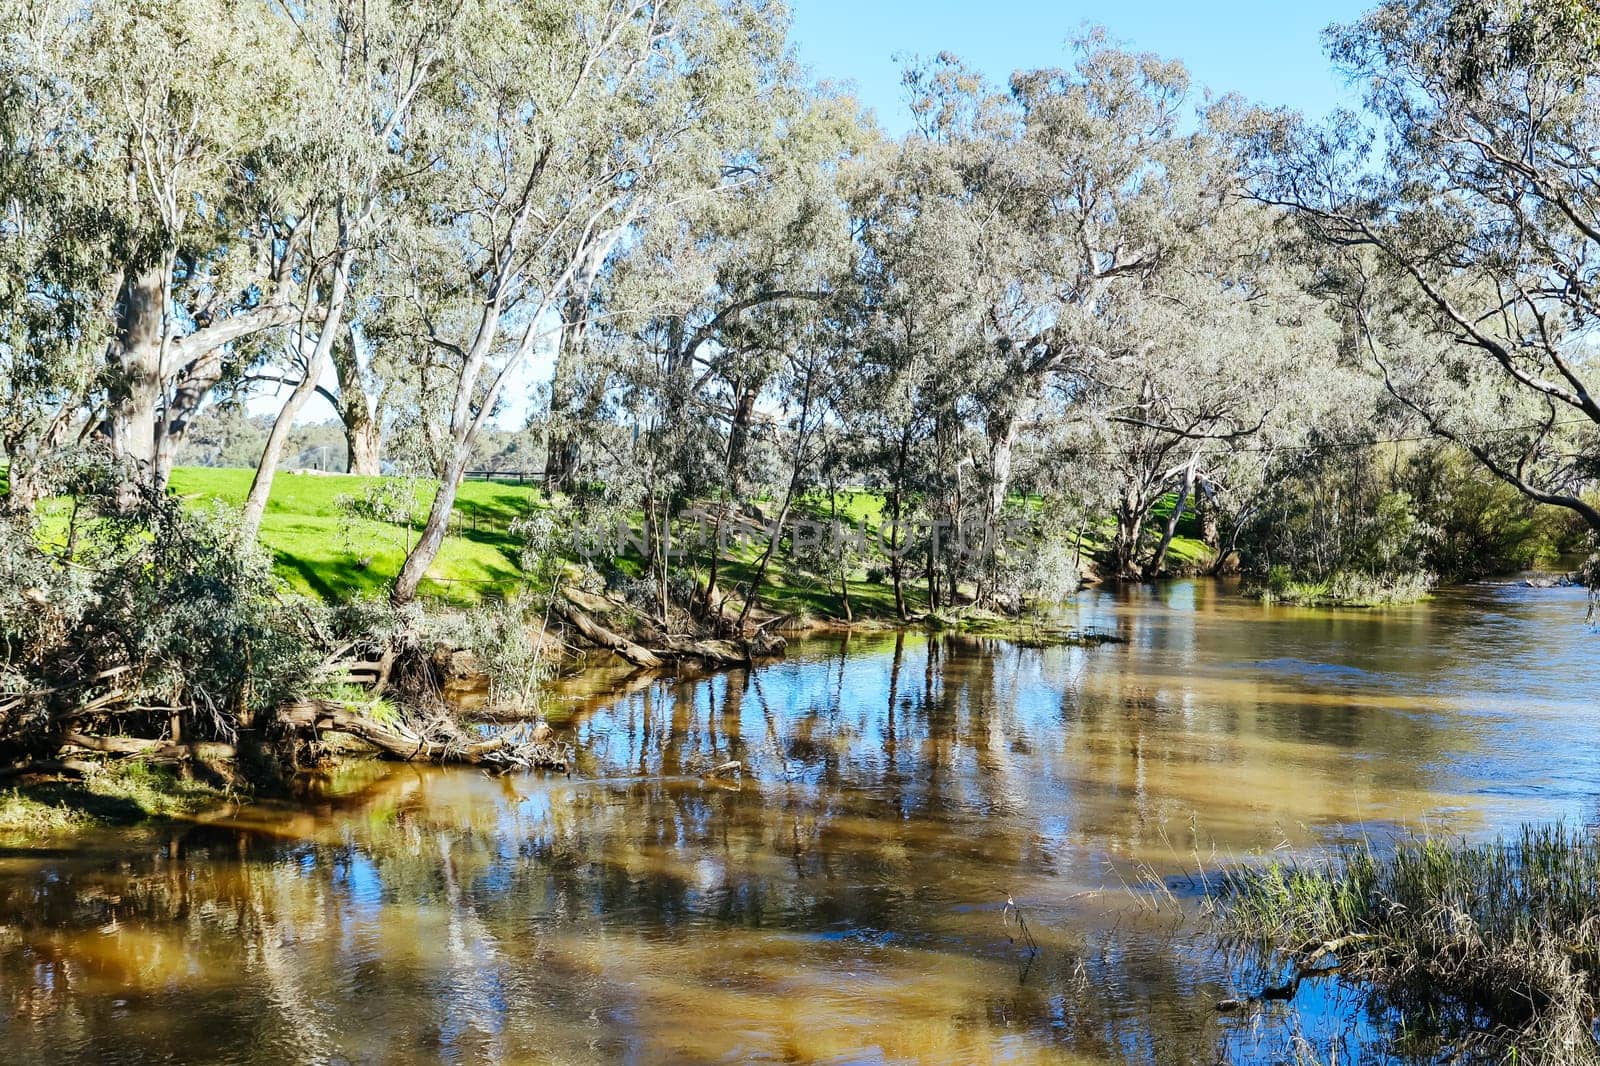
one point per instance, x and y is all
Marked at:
(1178, 507)
(255, 504)
(135, 371)
(362, 433)
(421, 557)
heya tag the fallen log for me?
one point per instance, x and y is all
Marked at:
(406, 744)
(720, 652)
(48, 768)
(164, 751)
(335, 717)
(599, 635)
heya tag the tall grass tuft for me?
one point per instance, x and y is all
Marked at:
(1494, 947)
(1344, 588)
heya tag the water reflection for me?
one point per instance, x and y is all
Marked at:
(845, 901)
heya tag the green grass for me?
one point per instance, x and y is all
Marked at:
(321, 550)
(358, 699)
(122, 793)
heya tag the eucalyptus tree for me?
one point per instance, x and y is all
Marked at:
(1231, 348)
(365, 64)
(814, 373)
(362, 400)
(914, 322)
(563, 128)
(52, 330)
(685, 331)
(1071, 192)
(1474, 238)
(687, 302)
(185, 173)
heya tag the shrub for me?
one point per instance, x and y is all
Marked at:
(1040, 565)
(139, 608)
(504, 643)
(1343, 588)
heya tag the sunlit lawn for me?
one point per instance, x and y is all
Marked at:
(322, 549)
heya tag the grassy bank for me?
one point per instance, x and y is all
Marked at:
(324, 549)
(327, 543)
(1491, 950)
(125, 793)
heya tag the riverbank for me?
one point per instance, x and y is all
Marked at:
(62, 804)
(337, 535)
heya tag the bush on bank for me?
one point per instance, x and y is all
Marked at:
(128, 614)
(138, 613)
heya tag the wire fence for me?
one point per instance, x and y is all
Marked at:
(521, 477)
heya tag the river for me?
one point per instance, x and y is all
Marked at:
(855, 896)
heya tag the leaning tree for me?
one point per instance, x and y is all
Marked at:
(1471, 243)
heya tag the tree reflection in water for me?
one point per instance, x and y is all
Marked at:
(847, 900)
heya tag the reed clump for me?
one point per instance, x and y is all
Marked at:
(1492, 948)
(1344, 588)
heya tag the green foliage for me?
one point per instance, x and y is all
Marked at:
(150, 607)
(360, 700)
(1040, 568)
(1377, 520)
(1475, 525)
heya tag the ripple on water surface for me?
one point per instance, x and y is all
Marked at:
(938, 853)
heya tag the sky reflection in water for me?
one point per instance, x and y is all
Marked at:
(846, 902)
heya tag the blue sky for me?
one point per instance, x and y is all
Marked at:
(1270, 52)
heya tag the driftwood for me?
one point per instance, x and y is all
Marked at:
(164, 751)
(598, 634)
(533, 748)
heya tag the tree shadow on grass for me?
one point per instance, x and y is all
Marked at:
(109, 810)
(494, 509)
(309, 573)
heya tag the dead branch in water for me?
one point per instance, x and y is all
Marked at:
(439, 740)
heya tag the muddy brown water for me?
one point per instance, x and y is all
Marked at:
(847, 901)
